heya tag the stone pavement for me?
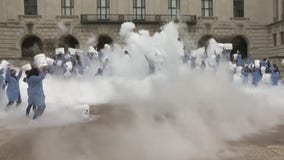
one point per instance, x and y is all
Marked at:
(254, 152)
(267, 146)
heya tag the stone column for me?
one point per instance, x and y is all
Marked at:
(280, 10)
(275, 6)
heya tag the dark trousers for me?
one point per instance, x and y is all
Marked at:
(38, 112)
(9, 103)
(19, 101)
(12, 102)
(29, 109)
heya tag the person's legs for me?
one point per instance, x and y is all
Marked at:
(34, 108)
(19, 101)
(1, 94)
(9, 104)
(39, 111)
(28, 109)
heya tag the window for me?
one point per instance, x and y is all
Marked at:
(67, 7)
(103, 9)
(207, 8)
(30, 7)
(274, 39)
(139, 9)
(174, 8)
(238, 8)
(282, 15)
(282, 37)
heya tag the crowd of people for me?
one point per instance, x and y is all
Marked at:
(243, 70)
(9, 81)
(67, 63)
(254, 72)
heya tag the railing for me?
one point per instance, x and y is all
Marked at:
(120, 18)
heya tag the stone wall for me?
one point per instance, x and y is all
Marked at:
(258, 37)
(15, 26)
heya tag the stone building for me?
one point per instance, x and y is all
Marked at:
(31, 26)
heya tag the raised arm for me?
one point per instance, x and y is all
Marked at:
(38, 78)
(19, 74)
(8, 74)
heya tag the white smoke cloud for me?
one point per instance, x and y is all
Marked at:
(62, 27)
(92, 40)
(126, 28)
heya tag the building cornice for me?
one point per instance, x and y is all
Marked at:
(276, 23)
(239, 19)
(37, 17)
(59, 17)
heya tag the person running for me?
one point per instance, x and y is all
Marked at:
(275, 74)
(2, 85)
(29, 73)
(35, 91)
(13, 89)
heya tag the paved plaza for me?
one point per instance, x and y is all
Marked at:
(24, 144)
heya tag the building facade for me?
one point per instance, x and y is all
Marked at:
(31, 26)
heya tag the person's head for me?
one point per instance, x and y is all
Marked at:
(32, 72)
(126, 52)
(77, 57)
(27, 72)
(275, 66)
(100, 71)
(91, 55)
(59, 56)
(13, 72)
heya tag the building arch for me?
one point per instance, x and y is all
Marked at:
(104, 39)
(31, 45)
(67, 41)
(203, 40)
(240, 43)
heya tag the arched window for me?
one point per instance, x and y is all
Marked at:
(31, 46)
(240, 44)
(102, 40)
(67, 41)
(204, 41)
